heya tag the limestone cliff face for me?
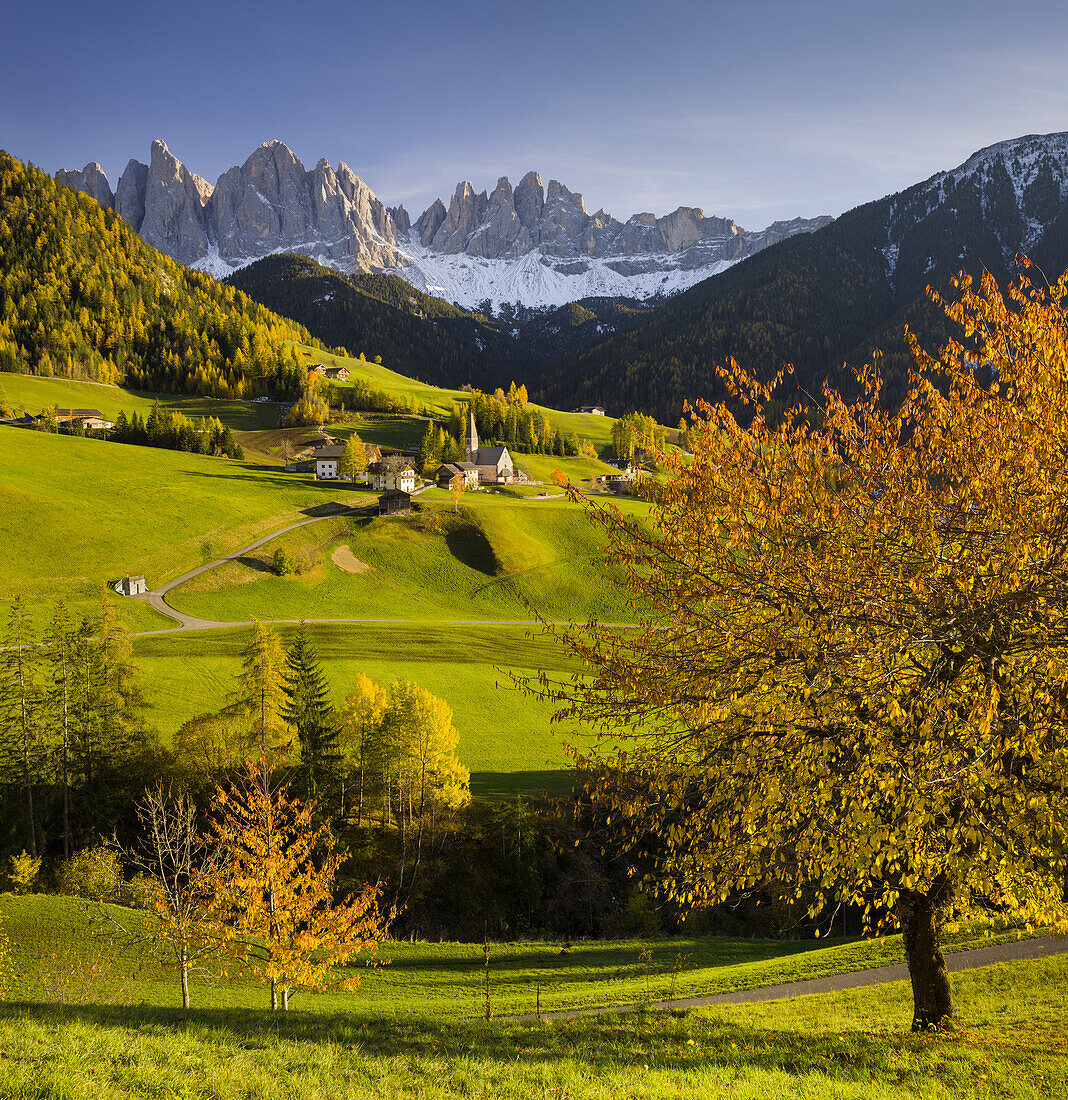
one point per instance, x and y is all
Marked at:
(555, 223)
(176, 220)
(271, 203)
(531, 236)
(91, 180)
(130, 194)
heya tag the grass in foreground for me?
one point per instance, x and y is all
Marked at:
(443, 979)
(407, 1033)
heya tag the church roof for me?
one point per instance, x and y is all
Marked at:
(490, 456)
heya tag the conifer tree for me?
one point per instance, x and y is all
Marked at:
(261, 690)
(307, 709)
(20, 712)
(360, 736)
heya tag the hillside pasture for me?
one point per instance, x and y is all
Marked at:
(597, 429)
(495, 558)
(35, 393)
(80, 513)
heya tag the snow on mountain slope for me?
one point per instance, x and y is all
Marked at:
(536, 280)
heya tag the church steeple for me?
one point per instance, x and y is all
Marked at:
(471, 445)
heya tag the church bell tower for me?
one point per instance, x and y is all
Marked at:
(471, 446)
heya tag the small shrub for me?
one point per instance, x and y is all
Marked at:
(95, 874)
(282, 563)
(639, 918)
(22, 873)
(87, 969)
(305, 561)
(139, 892)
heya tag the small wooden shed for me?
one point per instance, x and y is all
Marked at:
(395, 503)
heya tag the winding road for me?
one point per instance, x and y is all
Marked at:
(961, 960)
(157, 598)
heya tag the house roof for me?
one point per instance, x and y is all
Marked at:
(392, 464)
(79, 414)
(329, 452)
(393, 494)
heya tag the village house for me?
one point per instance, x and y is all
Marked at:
(327, 462)
(444, 474)
(92, 420)
(132, 586)
(333, 374)
(394, 472)
(592, 410)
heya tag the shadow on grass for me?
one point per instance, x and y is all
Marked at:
(501, 786)
(652, 1040)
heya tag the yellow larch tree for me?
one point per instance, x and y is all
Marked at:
(273, 889)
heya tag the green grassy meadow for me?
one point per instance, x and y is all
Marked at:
(80, 513)
(87, 1016)
(491, 560)
(505, 737)
(597, 429)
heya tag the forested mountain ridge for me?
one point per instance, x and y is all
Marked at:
(426, 337)
(85, 297)
(829, 298)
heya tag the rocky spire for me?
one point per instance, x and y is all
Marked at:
(91, 180)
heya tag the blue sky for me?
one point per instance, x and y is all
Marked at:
(757, 109)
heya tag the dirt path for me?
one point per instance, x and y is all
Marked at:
(961, 960)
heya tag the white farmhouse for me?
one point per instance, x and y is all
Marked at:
(392, 473)
(327, 460)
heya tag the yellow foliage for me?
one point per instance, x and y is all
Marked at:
(853, 680)
(273, 886)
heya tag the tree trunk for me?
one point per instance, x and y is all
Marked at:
(920, 915)
(285, 998)
(185, 978)
(274, 995)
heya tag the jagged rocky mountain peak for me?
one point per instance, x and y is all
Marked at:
(533, 243)
(92, 180)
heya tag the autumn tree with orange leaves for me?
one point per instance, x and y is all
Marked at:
(852, 677)
(274, 889)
